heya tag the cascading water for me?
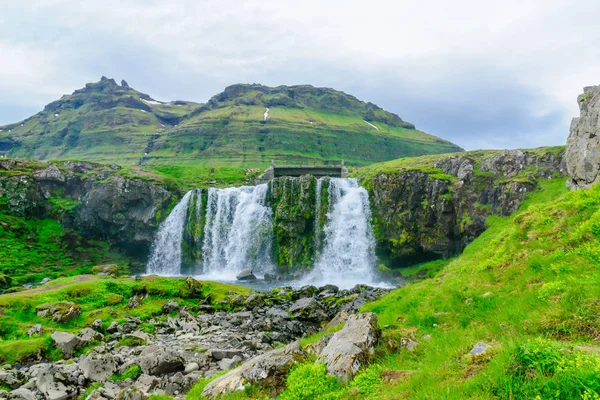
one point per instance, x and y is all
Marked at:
(239, 231)
(348, 256)
(165, 255)
(317, 227)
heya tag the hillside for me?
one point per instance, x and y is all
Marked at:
(107, 122)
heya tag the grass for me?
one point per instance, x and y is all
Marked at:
(528, 287)
(93, 294)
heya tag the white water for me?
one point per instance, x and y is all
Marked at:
(238, 233)
(266, 114)
(317, 227)
(348, 256)
(165, 256)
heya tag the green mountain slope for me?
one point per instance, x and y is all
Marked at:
(105, 122)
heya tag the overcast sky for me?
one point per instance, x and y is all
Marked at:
(481, 73)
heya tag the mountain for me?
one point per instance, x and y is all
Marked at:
(245, 125)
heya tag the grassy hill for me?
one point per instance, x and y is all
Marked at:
(111, 123)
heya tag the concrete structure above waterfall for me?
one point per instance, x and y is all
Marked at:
(275, 171)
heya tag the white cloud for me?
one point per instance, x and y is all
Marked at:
(549, 47)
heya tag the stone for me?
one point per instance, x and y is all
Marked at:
(96, 325)
(131, 393)
(308, 309)
(52, 389)
(98, 367)
(267, 370)
(219, 354)
(10, 379)
(479, 349)
(246, 275)
(191, 367)
(59, 312)
(113, 327)
(170, 307)
(21, 394)
(134, 302)
(229, 363)
(37, 329)
(157, 361)
(351, 348)
(66, 342)
(583, 144)
(50, 174)
(147, 383)
(87, 335)
(254, 300)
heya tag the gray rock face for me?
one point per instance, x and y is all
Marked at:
(86, 335)
(98, 367)
(52, 388)
(159, 360)
(352, 347)
(309, 309)
(583, 145)
(246, 275)
(267, 369)
(21, 394)
(36, 330)
(66, 342)
(479, 349)
(50, 174)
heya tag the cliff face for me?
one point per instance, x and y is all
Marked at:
(428, 213)
(91, 198)
(583, 144)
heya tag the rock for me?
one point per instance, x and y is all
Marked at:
(267, 370)
(50, 174)
(246, 275)
(191, 367)
(113, 327)
(11, 379)
(505, 164)
(96, 325)
(206, 309)
(98, 367)
(351, 348)
(308, 309)
(60, 312)
(44, 281)
(583, 144)
(254, 300)
(131, 393)
(170, 307)
(159, 360)
(52, 389)
(37, 329)
(21, 394)
(147, 383)
(340, 318)
(87, 335)
(66, 342)
(479, 349)
(134, 302)
(219, 354)
(229, 363)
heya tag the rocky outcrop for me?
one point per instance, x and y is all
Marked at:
(425, 214)
(351, 348)
(91, 198)
(267, 370)
(583, 145)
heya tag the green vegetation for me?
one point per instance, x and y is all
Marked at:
(31, 250)
(132, 372)
(93, 294)
(108, 123)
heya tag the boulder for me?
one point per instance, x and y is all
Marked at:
(37, 329)
(96, 325)
(87, 335)
(21, 394)
(246, 275)
(11, 379)
(583, 144)
(170, 307)
(351, 348)
(267, 370)
(60, 312)
(308, 309)
(51, 388)
(191, 367)
(66, 342)
(159, 360)
(228, 363)
(135, 301)
(98, 367)
(479, 349)
(254, 300)
(50, 174)
(219, 354)
(131, 393)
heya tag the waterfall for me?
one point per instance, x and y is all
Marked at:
(317, 227)
(348, 255)
(239, 231)
(165, 255)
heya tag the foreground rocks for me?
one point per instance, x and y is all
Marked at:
(583, 145)
(258, 336)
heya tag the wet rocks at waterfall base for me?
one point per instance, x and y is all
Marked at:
(190, 343)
